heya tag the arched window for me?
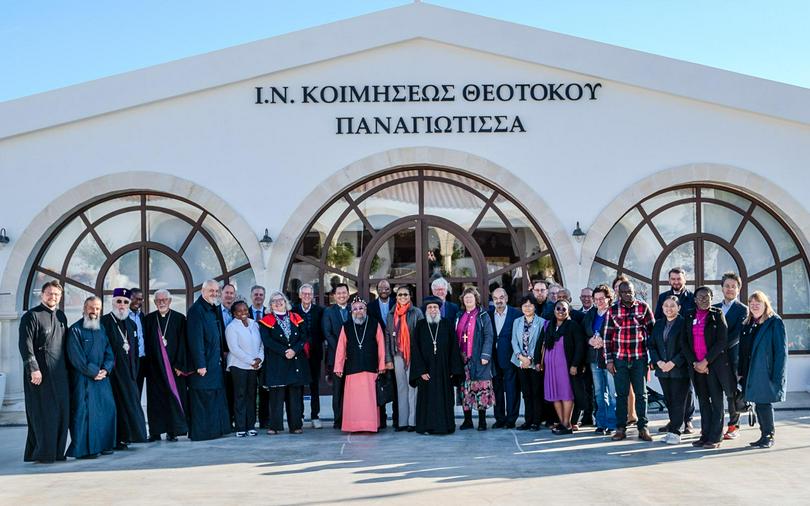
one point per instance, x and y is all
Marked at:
(144, 239)
(410, 226)
(709, 230)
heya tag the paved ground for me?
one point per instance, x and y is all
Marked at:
(323, 466)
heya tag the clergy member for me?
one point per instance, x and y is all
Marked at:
(165, 344)
(92, 410)
(123, 336)
(359, 358)
(208, 407)
(435, 366)
(47, 394)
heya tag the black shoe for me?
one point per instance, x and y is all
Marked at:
(467, 424)
(152, 439)
(663, 429)
(764, 442)
(88, 457)
(699, 443)
(400, 429)
(482, 420)
(510, 425)
(608, 432)
(499, 425)
(599, 430)
(411, 428)
(587, 421)
(525, 426)
(535, 427)
(170, 438)
(121, 446)
(107, 452)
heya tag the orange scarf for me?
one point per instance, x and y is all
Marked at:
(401, 321)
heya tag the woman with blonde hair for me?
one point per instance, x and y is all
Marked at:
(763, 363)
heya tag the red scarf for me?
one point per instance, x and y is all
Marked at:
(401, 324)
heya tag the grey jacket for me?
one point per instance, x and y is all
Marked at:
(413, 315)
(517, 337)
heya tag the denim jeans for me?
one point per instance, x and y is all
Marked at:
(631, 372)
(605, 391)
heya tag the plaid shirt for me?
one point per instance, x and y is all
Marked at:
(627, 331)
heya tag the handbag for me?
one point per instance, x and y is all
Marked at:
(385, 389)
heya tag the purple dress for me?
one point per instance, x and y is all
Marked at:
(557, 380)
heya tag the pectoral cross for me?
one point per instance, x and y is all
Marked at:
(434, 348)
(465, 338)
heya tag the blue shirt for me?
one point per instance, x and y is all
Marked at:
(136, 317)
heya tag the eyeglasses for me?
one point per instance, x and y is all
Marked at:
(277, 301)
(162, 301)
(121, 301)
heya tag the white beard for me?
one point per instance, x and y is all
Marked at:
(433, 319)
(91, 323)
(121, 314)
(359, 321)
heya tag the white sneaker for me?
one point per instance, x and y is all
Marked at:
(252, 432)
(316, 424)
(240, 434)
(672, 439)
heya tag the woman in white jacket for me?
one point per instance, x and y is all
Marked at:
(245, 356)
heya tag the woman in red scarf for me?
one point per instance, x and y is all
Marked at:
(475, 339)
(399, 327)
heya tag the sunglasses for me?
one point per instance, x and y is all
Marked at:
(561, 309)
(121, 301)
(403, 295)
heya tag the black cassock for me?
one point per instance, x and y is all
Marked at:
(47, 405)
(435, 412)
(129, 421)
(166, 396)
(92, 407)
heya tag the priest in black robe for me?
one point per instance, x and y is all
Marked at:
(207, 404)
(435, 367)
(165, 344)
(47, 397)
(92, 407)
(123, 335)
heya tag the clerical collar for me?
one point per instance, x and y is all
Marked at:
(47, 308)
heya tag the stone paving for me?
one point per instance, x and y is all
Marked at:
(469, 467)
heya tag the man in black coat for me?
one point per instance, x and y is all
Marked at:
(312, 315)
(505, 380)
(677, 287)
(333, 318)
(735, 313)
(43, 332)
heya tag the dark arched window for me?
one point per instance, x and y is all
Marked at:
(410, 226)
(709, 230)
(142, 239)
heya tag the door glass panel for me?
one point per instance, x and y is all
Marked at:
(201, 260)
(675, 222)
(181, 207)
(611, 247)
(348, 245)
(166, 229)
(124, 272)
(512, 282)
(396, 258)
(101, 209)
(74, 298)
(466, 181)
(495, 242)
(392, 203)
(732, 198)
(682, 256)
(447, 256)
(120, 230)
(39, 279)
(795, 288)
(720, 221)
(529, 240)
(765, 284)
(798, 334)
(542, 268)
(86, 261)
(231, 250)
(244, 280)
(785, 245)
(54, 258)
(601, 274)
(452, 203)
(753, 249)
(665, 198)
(359, 190)
(643, 252)
(717, 261)
(164, 272)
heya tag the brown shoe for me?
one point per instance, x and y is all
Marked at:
(644, 434)
(619, 435)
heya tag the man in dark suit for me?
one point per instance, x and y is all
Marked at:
(333, 319)
(257, 312)
(735, 313)
(441, 288)
(677, 287)
(313, 328)
(507, 398)
(378, 309)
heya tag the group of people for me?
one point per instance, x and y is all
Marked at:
(230, 362)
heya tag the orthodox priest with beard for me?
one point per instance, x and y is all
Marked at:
(435, 367)
(92, 407)
(123, 336)
(359, 358)
(165, 345)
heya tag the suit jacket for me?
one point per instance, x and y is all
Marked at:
(735, 317)
(374, 310)
(671, 350)
(503, 339)
(516, 344)
(263, 313)
(593, 354)
(203, 331)
(686, 297)
(716, 335)
(313, 330)
(331, 325)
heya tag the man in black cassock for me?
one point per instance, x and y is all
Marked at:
(92, 407)
(123, 336)
(207, 403)
(47, 397)
(435, 367)
(165, 345)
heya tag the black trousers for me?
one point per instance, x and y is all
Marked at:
(676, 393)
(507, 393)
(263, 402)
(244, 398)
(765, 416)
(585, 407)
(289, 397)
(143, 363)
(531, 386)
(710, 395)
(315, 364)
(337, 398)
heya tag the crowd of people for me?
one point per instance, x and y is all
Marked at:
(231, 365)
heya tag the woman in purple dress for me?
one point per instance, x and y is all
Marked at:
(562, 357)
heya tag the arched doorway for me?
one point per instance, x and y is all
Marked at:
(709, 229)
(146, 239)
(414, 224)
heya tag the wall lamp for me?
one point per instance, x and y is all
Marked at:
(578, 234)
(266, 241)
(3, 237)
